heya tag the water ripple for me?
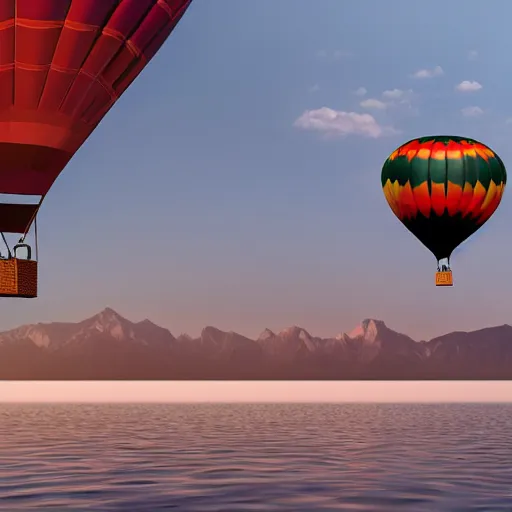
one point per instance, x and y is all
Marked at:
(256, 457)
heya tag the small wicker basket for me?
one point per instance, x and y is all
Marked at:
(444, 278)
(18, 278)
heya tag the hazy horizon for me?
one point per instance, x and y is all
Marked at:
(266, 391)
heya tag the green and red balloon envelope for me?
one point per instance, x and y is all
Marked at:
(63, 65)
(443, 189)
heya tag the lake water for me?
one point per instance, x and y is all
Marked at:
(256, 457)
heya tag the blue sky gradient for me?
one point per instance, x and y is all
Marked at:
(207, 195)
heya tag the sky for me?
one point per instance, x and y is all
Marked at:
(237, 182)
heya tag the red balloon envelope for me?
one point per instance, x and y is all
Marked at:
(63, 64)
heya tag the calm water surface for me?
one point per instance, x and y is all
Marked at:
(256, 457)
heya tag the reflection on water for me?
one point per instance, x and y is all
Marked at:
(256, 457)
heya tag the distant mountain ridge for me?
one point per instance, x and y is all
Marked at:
(107, 346)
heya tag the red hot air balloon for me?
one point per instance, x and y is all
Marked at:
(63, 65)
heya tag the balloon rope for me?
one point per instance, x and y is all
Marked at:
(35, 234)
(6, 244)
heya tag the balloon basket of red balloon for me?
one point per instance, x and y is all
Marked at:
(18, 278)
(444, 278)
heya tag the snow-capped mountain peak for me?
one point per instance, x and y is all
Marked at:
(107, 322)
(368, 330)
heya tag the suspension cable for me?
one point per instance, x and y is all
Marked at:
(35, 235)
(6, 244)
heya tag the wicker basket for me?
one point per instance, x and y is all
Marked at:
(18, 278)
(444, 278)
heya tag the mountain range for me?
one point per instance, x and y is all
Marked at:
(107, 346)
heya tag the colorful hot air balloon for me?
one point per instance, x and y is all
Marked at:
(63, 64)
(443, 189)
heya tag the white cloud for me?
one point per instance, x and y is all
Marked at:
(393, 94)
(472, 111)
(361, 91)
(372, 103)
(336, 122)
(472, 55)
(468, 86)
(429, 73)
(398, 95)
(391, 98)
